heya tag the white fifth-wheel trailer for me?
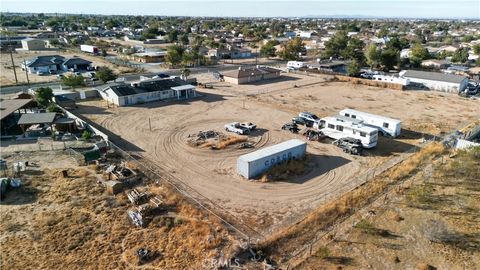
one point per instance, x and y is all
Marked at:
(338, 127)
(387, 126)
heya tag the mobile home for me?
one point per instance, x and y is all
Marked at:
(337, 127)
(295, 64)
(386, 125)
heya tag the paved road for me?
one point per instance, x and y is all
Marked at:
(132, 77)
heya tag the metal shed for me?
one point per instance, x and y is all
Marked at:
(254, 164)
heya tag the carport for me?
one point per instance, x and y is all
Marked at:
(185, 91)
(29, 119)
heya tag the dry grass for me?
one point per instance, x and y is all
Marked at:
(286, 241)
(223, 142)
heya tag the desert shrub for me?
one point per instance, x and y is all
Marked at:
(323, 252)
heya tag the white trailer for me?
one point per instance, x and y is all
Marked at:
(386, 126)
(295, 64)
(338, 127)
(89, 48)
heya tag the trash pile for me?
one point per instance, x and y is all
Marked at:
(314, 135)
(7, 184)
(145, 206)
(202, 136)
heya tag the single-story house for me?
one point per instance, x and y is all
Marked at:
(436, 81)
(54, 63)
(33, 44)
(433, 63)
(250, 75)
(122, 94)
(234, 53)
(76, 63)
(148, 57)
(334, 66)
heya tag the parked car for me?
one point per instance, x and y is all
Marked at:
(60, 76)
(236, 127)
(292, 127)
(41, 73)
(302, 121)
(314, 135)
(350, 145)
(248, 125)
(163, 75)
(77, 74)
(309, 117)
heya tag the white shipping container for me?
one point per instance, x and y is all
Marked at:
(254, 164)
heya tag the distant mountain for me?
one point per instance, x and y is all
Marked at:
(340, 16)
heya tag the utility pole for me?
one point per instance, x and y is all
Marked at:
(26, 71)
(13, 65)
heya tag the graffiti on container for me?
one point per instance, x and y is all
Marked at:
(278, 159)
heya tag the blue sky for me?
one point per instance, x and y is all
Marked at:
(254, 8)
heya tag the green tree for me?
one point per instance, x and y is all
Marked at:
(336, 45)
(184, 39)
(174, 55)
(292, 49)
(73, 80)
(460, 55)
(172, 35)
(390, 58)
(86, 135)
(104, 52)
(269, 49)
(476, 49)
(105, 74)
(373, 55)
(354, 51)
(52, 107)
(43, 96)
(417, 54)
(353, 68)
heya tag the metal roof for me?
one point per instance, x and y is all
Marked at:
(246, 72)
(268, 151)
(183, 87)
(36, 118)
(434, 76)
(146, 86)
(364, 114)
(9, 106)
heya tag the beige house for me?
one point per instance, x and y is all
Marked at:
(251, 75)
(32, 44)
(433, 63)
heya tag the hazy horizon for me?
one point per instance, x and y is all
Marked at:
(428, 9)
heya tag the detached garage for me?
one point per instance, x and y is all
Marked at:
(436, 81)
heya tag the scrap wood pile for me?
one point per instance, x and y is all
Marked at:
(216, 140)
(145, 206)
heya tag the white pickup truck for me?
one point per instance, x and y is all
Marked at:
(237, 127)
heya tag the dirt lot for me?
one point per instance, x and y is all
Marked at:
(52, 222)
(6, 71)
(212, 172)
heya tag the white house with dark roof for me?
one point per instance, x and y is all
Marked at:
(436, 81)
(54, 63)
(123, 94)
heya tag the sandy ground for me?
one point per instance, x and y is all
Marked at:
(7, 75)
(213, 173)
